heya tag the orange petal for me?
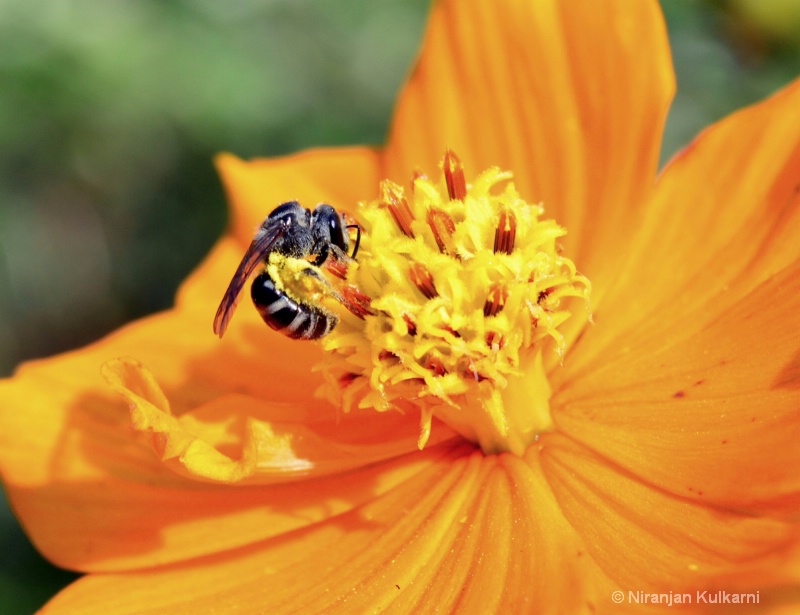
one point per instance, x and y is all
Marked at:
(239, 439)
(725, 217)
(710, 414)
(469, 534)
(569, 96)
(339, 176)
(652, 541)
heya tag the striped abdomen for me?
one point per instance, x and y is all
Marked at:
(297, 320)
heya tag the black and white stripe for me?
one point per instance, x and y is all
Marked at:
(297, 320)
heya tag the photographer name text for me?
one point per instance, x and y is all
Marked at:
(674, 598)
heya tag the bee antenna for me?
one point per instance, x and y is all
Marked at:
(358, 238)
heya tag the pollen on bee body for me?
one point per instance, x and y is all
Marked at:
(297, 247)
(305, 282)
(297, 277)
(457, 274)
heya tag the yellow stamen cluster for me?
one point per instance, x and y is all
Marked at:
(467, 284)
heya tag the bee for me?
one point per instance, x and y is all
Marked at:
(291, 231)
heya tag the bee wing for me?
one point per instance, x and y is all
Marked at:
(262, 245)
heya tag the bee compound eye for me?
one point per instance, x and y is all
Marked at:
(331, 220)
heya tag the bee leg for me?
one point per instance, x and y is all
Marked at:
(337, 265)
(350, 296)
(322, 254)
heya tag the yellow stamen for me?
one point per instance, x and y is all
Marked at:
(468, 289)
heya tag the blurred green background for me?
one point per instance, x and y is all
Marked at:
(111, 111)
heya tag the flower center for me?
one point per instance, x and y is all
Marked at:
(466, 286)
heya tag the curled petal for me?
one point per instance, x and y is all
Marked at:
(241, 439)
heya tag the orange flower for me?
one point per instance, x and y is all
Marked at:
(667, 461)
